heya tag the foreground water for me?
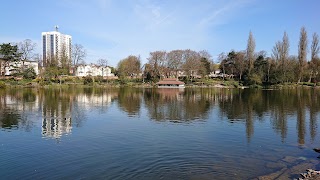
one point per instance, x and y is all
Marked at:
(133, 133)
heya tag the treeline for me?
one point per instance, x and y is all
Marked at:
(258, 68)
(246, 66)
(162, 64)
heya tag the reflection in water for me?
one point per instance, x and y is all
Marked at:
(129, 100)
(59, 109)
(63, 108)
(178, 105)
(9, 119)
(55, 128)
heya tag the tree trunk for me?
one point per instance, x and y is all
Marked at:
(310, 77)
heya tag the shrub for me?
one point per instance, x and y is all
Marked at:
(98, 79)
(308, 84)
(29, 73)
(88, 80)
(2, 85)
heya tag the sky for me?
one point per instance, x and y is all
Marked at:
(115, 29)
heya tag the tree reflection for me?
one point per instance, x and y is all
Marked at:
(178, 105)
(313, 110)
(12, 106)
(129, 99)
(276, 105)
(9, 119)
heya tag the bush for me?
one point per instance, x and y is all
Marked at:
(308, 84)
(88, 80)
(29, 73)
(234, 84)
(253, 79)
(98, 79)
(2, 85)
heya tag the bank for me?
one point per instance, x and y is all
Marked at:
(100, 82)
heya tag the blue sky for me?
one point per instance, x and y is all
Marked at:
(114, 29)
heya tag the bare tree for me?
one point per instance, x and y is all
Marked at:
(250, 51)
(276, 51)
(315, 47)
(26, 50)
(315, 61)
(191, 63)
(157, 60)
(78, 54)
(284, 53)
(280, 53)
(302, 52)
(102, 62)
(175, 60)
(240, 63)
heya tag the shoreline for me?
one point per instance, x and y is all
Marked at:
(33, 85)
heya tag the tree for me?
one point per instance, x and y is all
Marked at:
(191, 63)
(270, 64)
(64, 61)
(302, 53)
(280, 53)
(129, 66)
(251, 45)
(78, 54)
(261, 66)
(221, 59)
(148, 72)
(205, 63)
(10, 54)
(315, 61)
(240, 63)
(29, 73)
(175, 60)
(157, 60)
(284, 53)
(102, 62)
(26, 50)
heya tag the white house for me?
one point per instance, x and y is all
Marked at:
(93, 70)
(9, 69)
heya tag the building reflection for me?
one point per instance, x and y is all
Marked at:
(55, 127)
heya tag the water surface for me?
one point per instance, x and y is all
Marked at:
(131, 133)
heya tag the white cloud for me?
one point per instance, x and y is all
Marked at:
(222, 14)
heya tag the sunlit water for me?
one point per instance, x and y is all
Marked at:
(130, 133)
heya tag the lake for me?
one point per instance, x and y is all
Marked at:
(135, 133)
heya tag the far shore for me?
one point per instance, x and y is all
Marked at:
(138, 83)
